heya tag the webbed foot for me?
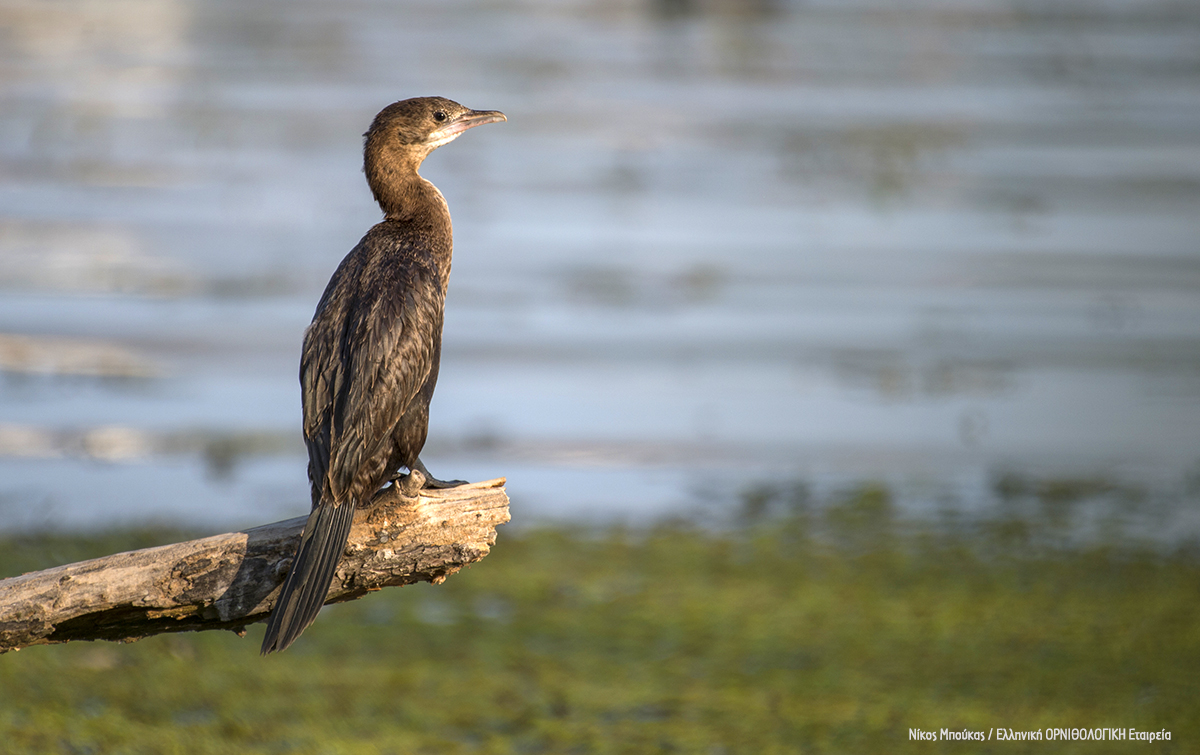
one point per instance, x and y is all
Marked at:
(430, 480)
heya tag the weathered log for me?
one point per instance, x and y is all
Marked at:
(229, 581)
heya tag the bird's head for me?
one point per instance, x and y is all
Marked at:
(405, 132)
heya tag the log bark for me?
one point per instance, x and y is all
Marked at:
(231, 580)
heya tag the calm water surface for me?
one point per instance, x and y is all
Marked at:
(718, 245)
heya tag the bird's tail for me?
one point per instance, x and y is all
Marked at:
(307, 584)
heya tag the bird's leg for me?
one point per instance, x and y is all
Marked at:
(430, 480)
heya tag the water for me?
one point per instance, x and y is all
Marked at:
(717, 245)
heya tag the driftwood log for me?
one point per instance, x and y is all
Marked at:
(229, 581)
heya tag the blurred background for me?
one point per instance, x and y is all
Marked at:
(721, 249)
(848, 352)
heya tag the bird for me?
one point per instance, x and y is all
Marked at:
(369, 362)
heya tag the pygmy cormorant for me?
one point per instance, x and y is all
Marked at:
(370, 358)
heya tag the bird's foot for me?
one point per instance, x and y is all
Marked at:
(430, 480)
(437, 484)
(409, 484)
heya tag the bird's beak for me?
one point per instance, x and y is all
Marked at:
(469, 119)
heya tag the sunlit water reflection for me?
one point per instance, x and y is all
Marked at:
(717, 245)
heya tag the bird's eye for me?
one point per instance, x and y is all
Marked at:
(439, 115)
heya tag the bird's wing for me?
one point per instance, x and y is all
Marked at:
(366, 356)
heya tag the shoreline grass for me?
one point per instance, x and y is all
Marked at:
(833, 634)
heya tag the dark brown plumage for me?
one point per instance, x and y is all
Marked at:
(370, 358)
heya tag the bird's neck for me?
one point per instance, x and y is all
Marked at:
(422, 212)
(405, 195)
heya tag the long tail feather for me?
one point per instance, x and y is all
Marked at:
(307, 584)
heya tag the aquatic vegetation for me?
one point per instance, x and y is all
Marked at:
(771, 638)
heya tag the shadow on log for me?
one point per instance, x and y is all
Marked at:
(229, 581)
